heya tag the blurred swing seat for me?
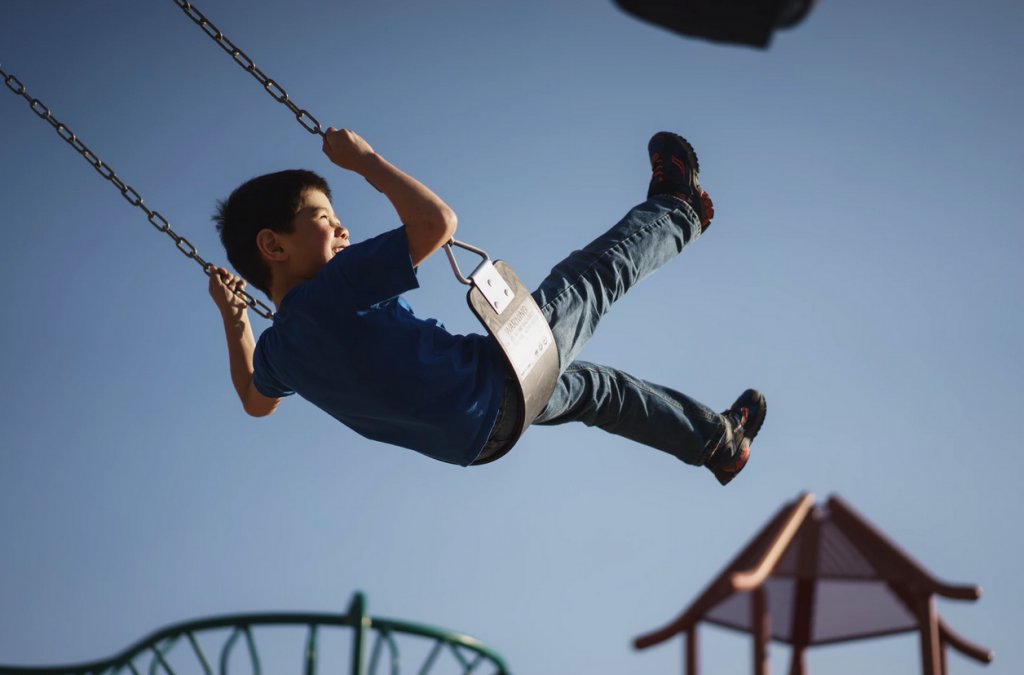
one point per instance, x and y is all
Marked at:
(746, 22)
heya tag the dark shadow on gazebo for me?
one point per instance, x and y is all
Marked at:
(822, 575)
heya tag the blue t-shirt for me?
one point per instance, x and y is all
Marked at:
(348, 343)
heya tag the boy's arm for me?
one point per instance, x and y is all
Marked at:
(429, 223)
(241, 341)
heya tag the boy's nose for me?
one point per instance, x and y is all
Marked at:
(341, 231)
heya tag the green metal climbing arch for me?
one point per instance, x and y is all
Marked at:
(232, 643)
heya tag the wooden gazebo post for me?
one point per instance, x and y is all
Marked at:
(761, 620)
(803, 612)
(931, 659)
(692, 657)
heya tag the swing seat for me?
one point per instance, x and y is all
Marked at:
(512, 318)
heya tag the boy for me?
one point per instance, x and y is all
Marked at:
(346, 340)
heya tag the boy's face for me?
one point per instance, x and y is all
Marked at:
(317, 235)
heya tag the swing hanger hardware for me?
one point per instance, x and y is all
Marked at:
(276, 91)
(485, 277)
(127, 191)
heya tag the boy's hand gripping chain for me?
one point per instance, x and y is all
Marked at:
(128, 192)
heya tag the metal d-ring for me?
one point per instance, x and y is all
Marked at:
(451, 257)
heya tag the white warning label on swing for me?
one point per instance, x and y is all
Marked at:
(526, 337)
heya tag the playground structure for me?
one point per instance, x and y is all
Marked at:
(178, 649)
(823, 575)
(811, 576)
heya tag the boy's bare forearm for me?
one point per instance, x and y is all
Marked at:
(428, 221)
(414, 201)
(241, 344)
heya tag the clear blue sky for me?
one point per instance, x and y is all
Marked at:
(862, 270)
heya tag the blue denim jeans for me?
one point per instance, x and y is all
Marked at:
(579, 291)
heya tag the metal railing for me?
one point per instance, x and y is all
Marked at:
(179, 649)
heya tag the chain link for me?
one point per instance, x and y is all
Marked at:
(308, 122)
(276, 91)
(129, 193)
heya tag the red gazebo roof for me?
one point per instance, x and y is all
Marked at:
(821, 575)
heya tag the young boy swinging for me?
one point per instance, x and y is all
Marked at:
(346, 340)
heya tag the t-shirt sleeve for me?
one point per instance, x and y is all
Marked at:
(377, 269)
(262, 377)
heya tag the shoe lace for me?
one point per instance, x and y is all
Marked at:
(737, 418)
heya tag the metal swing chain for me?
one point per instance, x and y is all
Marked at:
(277, 92)
(308, 122)
(128, 192)
(272, 87)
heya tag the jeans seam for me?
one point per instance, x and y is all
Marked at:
(638, 384)
(696, 232)
(613, 248)
(709, 447)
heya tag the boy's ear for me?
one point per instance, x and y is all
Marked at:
(270, 246)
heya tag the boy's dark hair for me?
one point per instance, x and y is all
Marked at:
(268, 202)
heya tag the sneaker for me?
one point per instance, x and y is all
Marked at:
(742, 422)
(674, 169)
